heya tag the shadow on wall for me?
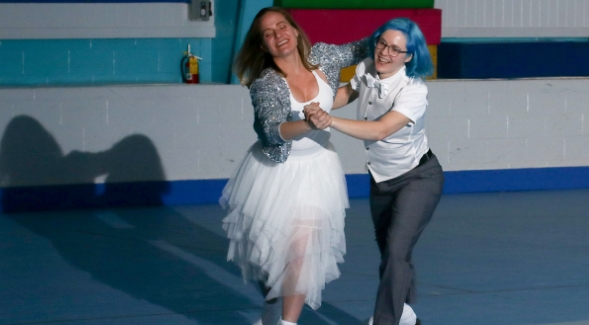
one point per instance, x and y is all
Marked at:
(36, 175)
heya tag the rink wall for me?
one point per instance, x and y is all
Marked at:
(178, 144)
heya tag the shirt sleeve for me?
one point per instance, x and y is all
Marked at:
(356, 81)
(412, 101)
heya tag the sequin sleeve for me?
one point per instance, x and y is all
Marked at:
(339, 56)
(270, 99)
(332, 58)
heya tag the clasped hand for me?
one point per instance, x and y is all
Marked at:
(316, 117)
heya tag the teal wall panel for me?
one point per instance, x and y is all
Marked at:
(225, 26)
(109, 61)
(129, 60)
(248, 11)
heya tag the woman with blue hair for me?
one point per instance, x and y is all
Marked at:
(406, 177)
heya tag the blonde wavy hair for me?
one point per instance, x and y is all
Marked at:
(250, 61)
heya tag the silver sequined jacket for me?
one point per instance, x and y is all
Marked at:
(271, 97)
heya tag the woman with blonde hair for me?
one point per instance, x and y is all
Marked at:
(288, 196)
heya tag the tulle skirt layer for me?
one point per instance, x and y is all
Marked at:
(286, 221)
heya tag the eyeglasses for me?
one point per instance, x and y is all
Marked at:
(391, 49)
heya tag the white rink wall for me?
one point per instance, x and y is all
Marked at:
(460, 19)
(201, 131)
(514, 18)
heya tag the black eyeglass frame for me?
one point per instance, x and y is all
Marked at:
(391, 50)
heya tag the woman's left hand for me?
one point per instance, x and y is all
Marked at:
(316, 117)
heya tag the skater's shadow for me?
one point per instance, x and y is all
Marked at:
(35, 174)
(158, 254)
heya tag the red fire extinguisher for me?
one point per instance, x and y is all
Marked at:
(189, 66)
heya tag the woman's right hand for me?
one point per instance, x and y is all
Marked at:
(316, 117)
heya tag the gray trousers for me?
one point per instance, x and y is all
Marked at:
(401, 208)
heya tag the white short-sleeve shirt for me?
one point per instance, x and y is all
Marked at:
(401, 151)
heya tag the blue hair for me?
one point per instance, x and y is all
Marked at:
(421, 65)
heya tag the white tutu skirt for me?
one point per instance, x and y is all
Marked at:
(286, 221)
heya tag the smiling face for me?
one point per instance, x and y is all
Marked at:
(384, 60)
(279, 36)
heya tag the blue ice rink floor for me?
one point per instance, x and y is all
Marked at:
(486, 259)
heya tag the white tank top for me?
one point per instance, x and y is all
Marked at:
(316, 139)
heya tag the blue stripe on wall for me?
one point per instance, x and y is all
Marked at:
(478, 60)
(504, 180)
(209, 191)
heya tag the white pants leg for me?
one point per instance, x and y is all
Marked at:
(408, 317)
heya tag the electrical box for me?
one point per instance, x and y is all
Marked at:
(200, 10)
